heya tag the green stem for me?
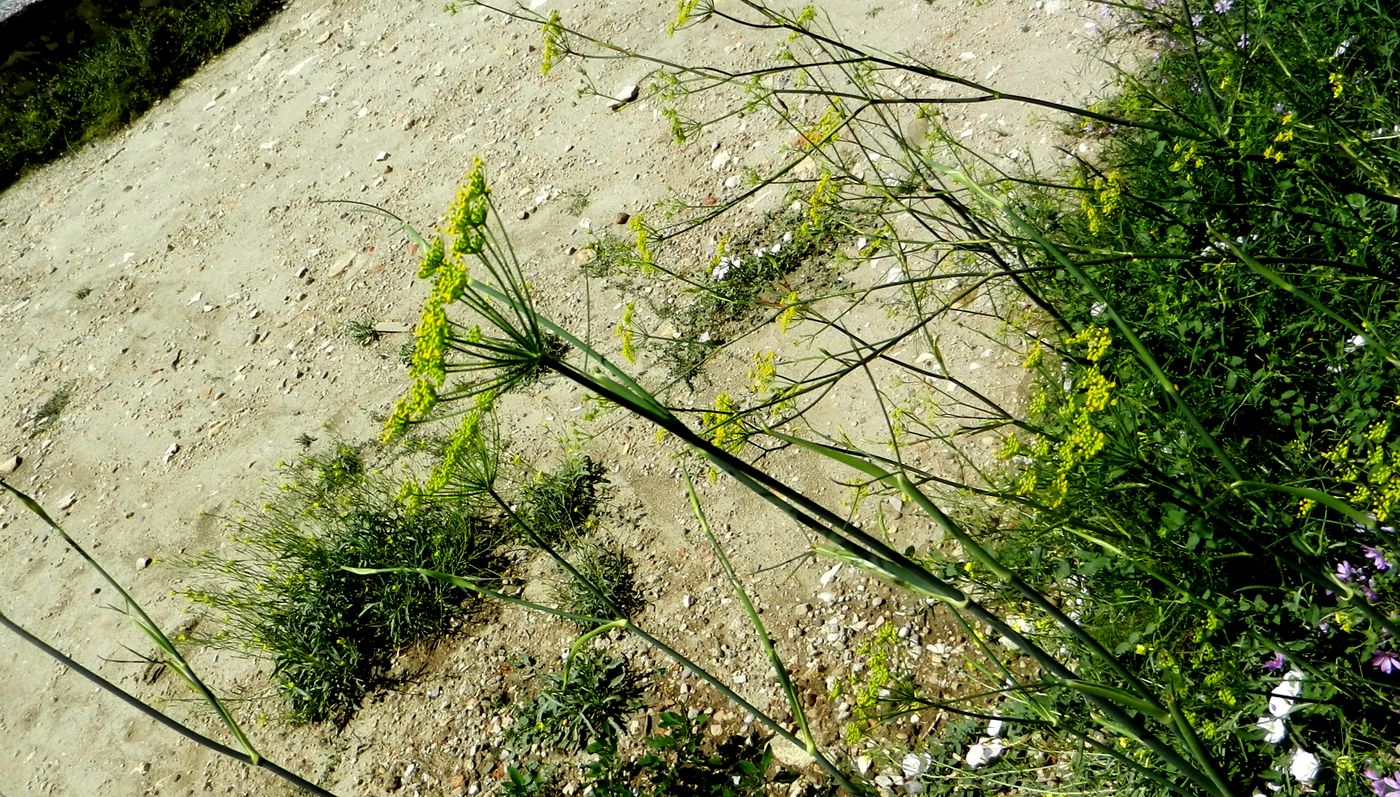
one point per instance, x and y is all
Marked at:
(779, 670)
(198, 738)
(147, 625)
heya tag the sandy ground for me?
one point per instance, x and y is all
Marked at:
(184, 284)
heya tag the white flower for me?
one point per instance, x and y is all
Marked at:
(723, 267)
(1281, 698)
(915, 765)
(983, 752)
(1280, 707)
(1304, 766)
(1273, 728)
(1355, 342)
(1097, 309)
(995, 728)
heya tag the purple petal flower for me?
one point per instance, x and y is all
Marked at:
(1223, 6)
(1345, 572)
(1388, 786)
(1376, 557)
(1385, 661)
(1243, 42)
(1274, 663)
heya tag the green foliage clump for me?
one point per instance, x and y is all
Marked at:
(46, 415)
(1212, 490)
(558, 507)
(582, 704)
(605, 587)
(681, 761)
(284, 591)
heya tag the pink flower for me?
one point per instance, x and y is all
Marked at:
(1385, 661)
(1388, 786)
(1275, 662)
(1376, 557)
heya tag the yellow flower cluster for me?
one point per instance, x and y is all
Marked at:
(877, 656)
(554, 50)
(432, 259)
(1373, 470)
(1106, 194)
(458, 450)
(1274, 150)
(1095, 340)
(764, 371)
(723, 425)
(823, 131)
(790, 306)
(466, 224)
(466, 218)
(645, 260)
(684, 8)
(1082, 441)
(624, 333)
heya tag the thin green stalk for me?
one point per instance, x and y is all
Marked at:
(143, 621)
(258, 762)
(779, 670)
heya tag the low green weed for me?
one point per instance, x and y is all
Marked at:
(531, 780)
(559, 506)
(681, 760)
(362, 330)
(610, 592)
(582, 704)
(46, 415)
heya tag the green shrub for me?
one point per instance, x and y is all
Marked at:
(559, 506)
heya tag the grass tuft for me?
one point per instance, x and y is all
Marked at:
(284, 593)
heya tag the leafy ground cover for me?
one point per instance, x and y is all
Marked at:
(79, 71)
